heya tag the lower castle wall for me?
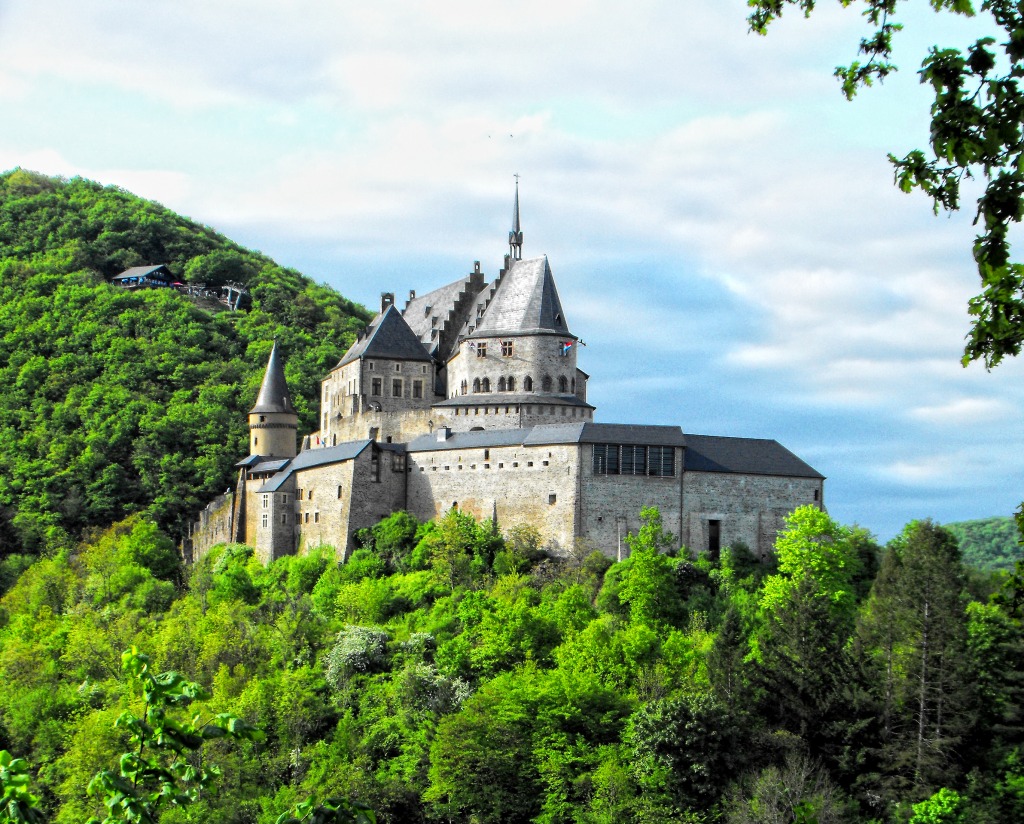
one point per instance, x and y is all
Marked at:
(213, 527)
(751, 508)
(612, 503)
(515, 483)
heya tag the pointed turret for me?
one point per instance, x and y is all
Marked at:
(273, 423)
(515, 237)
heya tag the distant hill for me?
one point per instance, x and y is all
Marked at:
(113, 402)
(989, 543)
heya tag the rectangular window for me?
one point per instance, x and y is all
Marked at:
(310, 495)
(606, 459)
(264, 519)
(417, 389)
(339, 492)
(506, 349)
(284, 517)
(481, 350)
(266, 501)
(307, 518)
(397, 462)
(316, 517)
(369, 365)
(284, 498)
(375, 468)
(375, 387)
(634, 460)
(661, 461)
(396, 388)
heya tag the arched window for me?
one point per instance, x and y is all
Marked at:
(465, 387)
(476, 385)
(485, 385)
(527, 384)
(501, 384)
(511, 385)
(545, 384)
(563, 384)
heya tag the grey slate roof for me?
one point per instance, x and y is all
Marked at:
(526, 301)
(440, 302)
(560, 433)
(388, 336)
(748, 456)
(274, 396)
(315, 457)
(507, 398)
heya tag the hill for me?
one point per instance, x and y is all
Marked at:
(989, 543)
(114, 402)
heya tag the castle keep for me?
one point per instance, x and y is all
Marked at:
(470, 397)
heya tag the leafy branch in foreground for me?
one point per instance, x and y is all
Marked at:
(157, 771)
(976, 131)
(17, 804)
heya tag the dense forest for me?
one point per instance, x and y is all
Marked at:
(988, 543)
(451, 673)
(114, 402)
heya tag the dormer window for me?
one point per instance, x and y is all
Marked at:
(481, 350)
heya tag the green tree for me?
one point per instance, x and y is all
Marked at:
(17, 804)
(975, 132)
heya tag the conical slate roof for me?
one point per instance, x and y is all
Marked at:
(388, 336)
(274, 395)
(526, 301)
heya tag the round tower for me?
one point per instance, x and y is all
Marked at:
(273, 423)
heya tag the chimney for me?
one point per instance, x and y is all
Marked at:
(443, 433)
(386, 299)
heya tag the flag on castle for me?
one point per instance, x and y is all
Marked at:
(566, 347)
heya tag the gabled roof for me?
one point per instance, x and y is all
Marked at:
(526, 301)
(560, 433)
(273, 396)
(321, 456)
(388, 336)
(746, 456)
(420, 310)
(144, 271)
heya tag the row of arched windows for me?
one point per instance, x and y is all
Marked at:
(509, 384)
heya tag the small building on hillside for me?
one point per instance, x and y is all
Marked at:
(145, 277)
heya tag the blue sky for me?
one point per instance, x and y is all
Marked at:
(721, 222)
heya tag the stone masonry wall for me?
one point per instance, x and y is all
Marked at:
(751, 508)
(612, 503)
(214, 525)
(534, 485)
(535, 356)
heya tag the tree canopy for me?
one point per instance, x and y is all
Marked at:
(976, 131)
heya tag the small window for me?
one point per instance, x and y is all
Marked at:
(511, 384)
(481, 350)
(266, 501)
(527, 384)
(487, 454)
(398, 367)
(552, 498)
(284, 498)
(375, 387)
(563, 384)
(501, 384)
(476, 385)
(714, 539)
(545, 384)
(265, 518)
(284, 517)
(369, 365)
(263, 418)
(316, 517)
(339, 492)
(817, 494)
(396, 388)
(423, 369)
(506, 349)
(309, 495)
(464, 387)
(307, 517)
(417, 389)
(485, 385)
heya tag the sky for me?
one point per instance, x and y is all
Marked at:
(720, 221)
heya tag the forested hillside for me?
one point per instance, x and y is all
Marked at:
(450, 674)
(989, 543)
(114, 402)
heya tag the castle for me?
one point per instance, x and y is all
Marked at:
(471, 398)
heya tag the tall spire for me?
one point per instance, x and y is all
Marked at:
(515, 237)
(274, 395)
